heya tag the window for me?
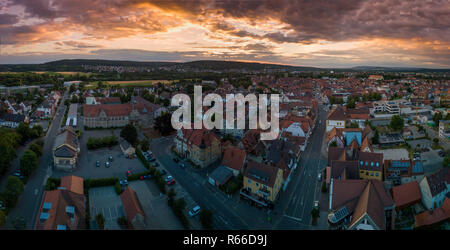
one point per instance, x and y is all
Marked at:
(257, 184)
(249, 181)
(376, 174)
(371, 164)
(377, 164)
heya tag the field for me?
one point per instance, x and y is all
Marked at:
(139, 83)
(63, 73)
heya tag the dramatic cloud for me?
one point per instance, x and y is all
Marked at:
(301, 27)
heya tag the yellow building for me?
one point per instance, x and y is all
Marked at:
(370, 165)
(66, 149)
(262, 181)
(201, 146)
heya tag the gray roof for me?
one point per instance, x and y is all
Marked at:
(64, 151)
(221, 174)
(73, 110)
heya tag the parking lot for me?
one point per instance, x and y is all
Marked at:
(105, 200)
(432, 162)
(422, 143)
(87, 160)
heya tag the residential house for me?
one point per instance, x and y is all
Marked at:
(201, 146)
(406, 195)
(336, 118)
(399, 172)
(66, 149)
(262, 183)
(444, 129)
(63, 208)
(434, 188)
(234, 159)
(360, 205)
(430, 219)
(12, 120)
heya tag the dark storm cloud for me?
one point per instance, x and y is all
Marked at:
(7, 19)
(320, 19)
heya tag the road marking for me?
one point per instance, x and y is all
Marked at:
(293, 218)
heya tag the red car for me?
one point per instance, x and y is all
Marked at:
(128, 172)
(171, 182)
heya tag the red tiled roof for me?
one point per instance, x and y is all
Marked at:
(110, 109)
(429, 218)
(234, 158)
(406, 194)
(72, 183)
(131, 204)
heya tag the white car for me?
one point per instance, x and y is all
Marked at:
(194, 211)
(319, 177)
(168, 178)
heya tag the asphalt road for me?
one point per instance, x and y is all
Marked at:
(297, 200)
(29, 202)
(224, 217)
(295, 204)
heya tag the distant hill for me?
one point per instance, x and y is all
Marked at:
(76, 65)
(397, 69)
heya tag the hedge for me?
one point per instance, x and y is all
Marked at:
(107, 141)
(90, 183)
(52, 183)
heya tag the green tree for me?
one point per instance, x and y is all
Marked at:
(100, 221)
(171, 194)
(14, 188)
(129, 133)
(315, 213)
(37, 149)
(122, 221)
(446, 162)
(437, 117)
(2, 218)
(376, 137)
(396, 123)
(145, 144)
(206, 218)
(24, 130)
(163, 124)
(28, 162)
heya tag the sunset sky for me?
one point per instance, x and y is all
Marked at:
(304, 32)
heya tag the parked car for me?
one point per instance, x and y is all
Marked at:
(107, 164)
(441, 153)
(171, 182)
(182, 165)
(124, 182)
(168, 178)
(152, 159)
(176, 160)
(156, 164)
(110, 158)
(128, 172)
(2, 206)
(97, 164)
(319, 177)
(18, 174)
(194, 211)
(163, 172)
